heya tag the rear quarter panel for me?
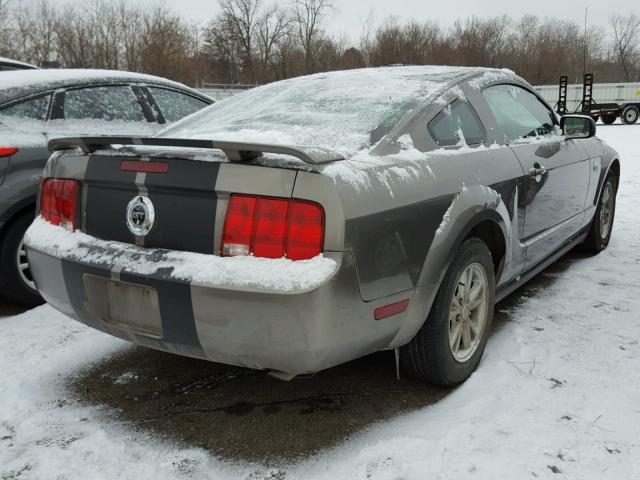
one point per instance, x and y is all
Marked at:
(394, 210)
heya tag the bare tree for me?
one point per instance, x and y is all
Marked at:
(367, 35)
(260, 41)
(241, 16)
(273, 26)
(626, 38)
(3, 6)
(36, 32)
(309, 17)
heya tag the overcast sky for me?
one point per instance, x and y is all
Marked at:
(349, 14)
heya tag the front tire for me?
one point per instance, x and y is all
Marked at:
(602, 223)
(16, 283)
(449, 346)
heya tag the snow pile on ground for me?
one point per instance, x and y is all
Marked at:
(556, 396)
(44, 434)
(260, 274)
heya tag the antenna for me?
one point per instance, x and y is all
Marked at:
(584, 43)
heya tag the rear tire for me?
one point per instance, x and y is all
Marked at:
(16, 283)
(602, 223)
(449, 346)
(609, 119)
(630, 115)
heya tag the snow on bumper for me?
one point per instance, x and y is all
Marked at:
(296, 317)
(236, 273)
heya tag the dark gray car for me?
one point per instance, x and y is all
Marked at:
(316, 220)
(37, 105)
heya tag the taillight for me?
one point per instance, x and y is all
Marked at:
(273, 228)
(270, 228)
(7, 151)
(305, 235)
(59, 202)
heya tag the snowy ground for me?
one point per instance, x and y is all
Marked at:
(557, 394)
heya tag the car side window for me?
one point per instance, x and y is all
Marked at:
(33, 109)
(175, 105)
(458, 122)
(519, 113)
(103, 103)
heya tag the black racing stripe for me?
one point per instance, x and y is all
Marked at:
(185, 204)
(176, 310)
(507, 191)
(109, 191)
(73, 274)
(390, 245)
(184, 199)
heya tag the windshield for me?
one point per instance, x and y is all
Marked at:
(344, 111)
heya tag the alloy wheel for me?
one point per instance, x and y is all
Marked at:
(23, 266)
(606, 210)
(468, 312)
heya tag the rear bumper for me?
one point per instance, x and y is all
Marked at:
(296, 331)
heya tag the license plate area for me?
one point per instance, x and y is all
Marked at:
(126, 306)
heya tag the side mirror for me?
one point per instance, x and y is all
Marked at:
(577, 126)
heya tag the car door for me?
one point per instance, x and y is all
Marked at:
(556, 169)
(21, 127)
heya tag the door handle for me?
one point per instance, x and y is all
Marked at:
(537, 170)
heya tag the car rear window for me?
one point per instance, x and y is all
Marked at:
(345, 111)
(103, 103)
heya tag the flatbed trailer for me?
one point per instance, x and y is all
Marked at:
(606, 101)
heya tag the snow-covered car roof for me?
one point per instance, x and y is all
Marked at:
(22, 83)
(16, 64)
(344, 111)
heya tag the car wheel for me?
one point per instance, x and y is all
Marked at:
(630, 115)
(448, 347)
(609, 119)
(16, 283)
(602, 223)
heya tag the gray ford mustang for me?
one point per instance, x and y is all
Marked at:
(315, 220)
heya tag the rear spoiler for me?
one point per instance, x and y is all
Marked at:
(235, 151)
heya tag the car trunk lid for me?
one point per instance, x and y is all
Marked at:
(166, 198)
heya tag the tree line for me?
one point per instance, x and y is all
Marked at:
(259, 41)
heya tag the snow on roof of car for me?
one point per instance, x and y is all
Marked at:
(345, 111)
(22, 83)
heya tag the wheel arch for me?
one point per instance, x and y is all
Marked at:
(17, 210)
(612, 169)
(475, 212)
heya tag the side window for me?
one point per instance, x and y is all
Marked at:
(175, 105)
(519, 113)
(456, 119)
(33, 109)
(103, 103)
